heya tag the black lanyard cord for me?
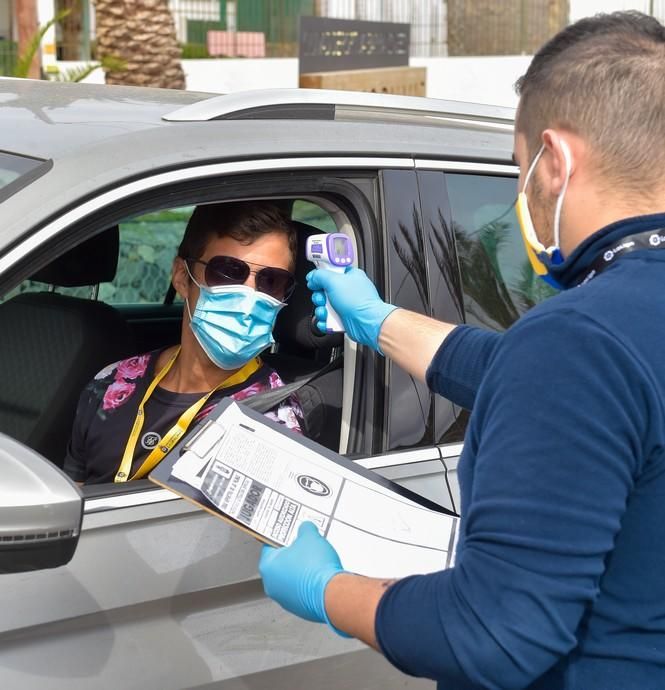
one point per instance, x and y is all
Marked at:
(651, 239)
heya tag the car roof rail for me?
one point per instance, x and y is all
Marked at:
(320, 104)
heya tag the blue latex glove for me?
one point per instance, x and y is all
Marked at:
(355, 299)
(296, 576)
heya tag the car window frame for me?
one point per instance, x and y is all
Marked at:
(407, 286)
(453, 435)
(202, 183)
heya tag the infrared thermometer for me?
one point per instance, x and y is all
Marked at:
(331, 252)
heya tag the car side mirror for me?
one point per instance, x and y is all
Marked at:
(40, 511)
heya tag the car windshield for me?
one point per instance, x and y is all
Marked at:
(13, 166)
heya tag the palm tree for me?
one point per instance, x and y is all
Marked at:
(142, 34)
(26, 59)
(488, 298)
(530, 289)
(71, 29)
(26, 20)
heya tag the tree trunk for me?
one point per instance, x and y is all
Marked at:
(69, 45)
(26, 20)
(142, 33)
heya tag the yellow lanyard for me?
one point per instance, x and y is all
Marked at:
(178, 429)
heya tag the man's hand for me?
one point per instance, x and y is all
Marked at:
(296, 576)
(307, 579)
(408, 339)
(355, 299)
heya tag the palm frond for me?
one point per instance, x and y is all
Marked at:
(22, 67)
(79, 73)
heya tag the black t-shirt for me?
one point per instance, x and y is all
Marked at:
(108, 405)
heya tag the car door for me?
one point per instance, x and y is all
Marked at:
(481, 274)
(416, 248)
(159, 593)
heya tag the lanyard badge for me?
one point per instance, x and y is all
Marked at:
(175, 433)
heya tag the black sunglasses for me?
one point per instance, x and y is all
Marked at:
(227, 270)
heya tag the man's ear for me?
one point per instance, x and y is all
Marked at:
(560, 163)
(180, 277)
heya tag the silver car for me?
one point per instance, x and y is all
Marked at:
(128, 586)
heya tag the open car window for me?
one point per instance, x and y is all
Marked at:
(64, 343)
(312, 214)
(148, 244)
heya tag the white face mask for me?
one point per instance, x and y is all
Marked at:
(541, 258)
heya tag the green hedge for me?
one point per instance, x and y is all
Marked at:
(8, 56)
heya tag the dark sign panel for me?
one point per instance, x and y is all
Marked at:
(328, 45)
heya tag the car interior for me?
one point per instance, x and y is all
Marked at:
(58, 331)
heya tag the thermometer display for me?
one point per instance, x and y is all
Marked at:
(331, 252)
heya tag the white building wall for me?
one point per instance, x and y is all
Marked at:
(45, 13)
(229, 74)
(475, 79)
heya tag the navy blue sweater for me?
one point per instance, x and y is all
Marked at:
(559, 580)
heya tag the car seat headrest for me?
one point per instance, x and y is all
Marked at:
(89, 263)
(293, 328)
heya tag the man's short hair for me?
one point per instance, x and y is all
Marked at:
(243, 221)
(603, 78)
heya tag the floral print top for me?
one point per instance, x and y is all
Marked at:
(108, 405)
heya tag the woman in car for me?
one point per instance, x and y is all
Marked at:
(234, 271)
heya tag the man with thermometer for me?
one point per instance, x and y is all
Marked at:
(558, 581)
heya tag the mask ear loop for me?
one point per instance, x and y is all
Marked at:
(532, 167)
(562, 194)
(189, 273)
(192, 278)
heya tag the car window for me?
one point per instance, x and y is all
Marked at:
(36, 286)
(407, 288)
(312, 214)
(497, 279)
(148, 244)
(85, 292)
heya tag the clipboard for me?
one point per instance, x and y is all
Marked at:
(351, 533)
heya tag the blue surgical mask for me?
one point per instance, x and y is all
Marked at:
(233, 323)
(542, 258)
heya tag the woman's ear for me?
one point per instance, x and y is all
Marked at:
(180, 277)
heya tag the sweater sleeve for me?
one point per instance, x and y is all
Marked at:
(75, 464)
(459, 365)
(560, 418)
